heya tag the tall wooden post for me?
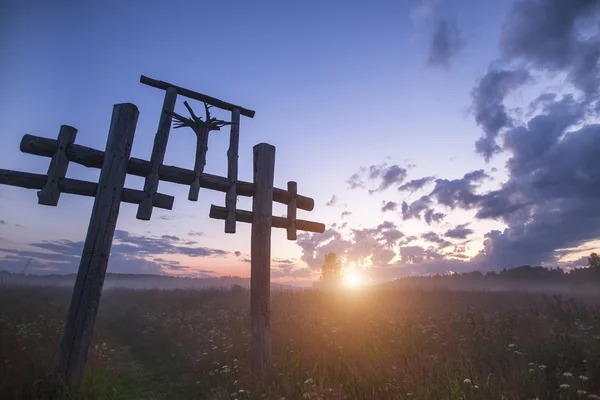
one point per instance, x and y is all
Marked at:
(260, 270)
(158, 154)
(232, 171)
(77, 334)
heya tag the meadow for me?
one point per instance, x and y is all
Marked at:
(362, 344)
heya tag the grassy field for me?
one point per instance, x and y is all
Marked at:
(391, 344)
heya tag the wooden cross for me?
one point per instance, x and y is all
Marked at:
(115, 163)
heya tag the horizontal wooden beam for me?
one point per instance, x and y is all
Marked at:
(74, 186)
(218, 212)
(196, 96)
(92, 158)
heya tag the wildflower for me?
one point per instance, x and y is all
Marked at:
(593, 396)
(567, 374)
(512, 345)
(308, 381)
(241, 391)
(467, 381)
(581, 392)
(475, 387)
(542, 367)
(565, 386)
(583, 377)
(532, 370)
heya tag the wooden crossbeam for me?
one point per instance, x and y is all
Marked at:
(92, 158)
(218, 212)
(57, 169)
(197, 96)
(28, 180)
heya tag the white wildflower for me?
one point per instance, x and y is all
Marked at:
(565, 386)
(467, 381)
(583, 377)
(567, 374)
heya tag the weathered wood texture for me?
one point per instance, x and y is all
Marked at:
(57, 170)
(291, 211)
(92, 158)
(200, 162)
(79, 327)
(161, 139)
(260, 264)
(197, 96)
(218, 212)
(232, 171)
(28, 180)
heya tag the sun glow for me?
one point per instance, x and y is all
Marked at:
(352, 280)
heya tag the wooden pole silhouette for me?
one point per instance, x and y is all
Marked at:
(77, 334)
(260, 264)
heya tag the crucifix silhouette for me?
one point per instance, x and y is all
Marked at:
(201, 129)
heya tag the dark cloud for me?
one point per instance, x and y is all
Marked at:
(238, 253)
(355, 182)
(431, 216)
(415, 209)
(382, 175)
(445, 43)
(2, 222)
(435, 238)
(130, 253)
(170, 237)
(418, 255)
(550, 201)
(459, 232)
(488, 105)
(392, 175)
(196, 233)
(416, 184)
(335, 200)
(459, 192)
(346, 214)
(143, 245)
(558, 36)
(389, 206)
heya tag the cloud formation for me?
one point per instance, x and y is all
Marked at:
(459, 232)
(382, 176)
(445, 44)
(416, 184)
(335, 200)
(130, 253)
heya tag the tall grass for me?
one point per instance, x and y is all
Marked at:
(377, 344)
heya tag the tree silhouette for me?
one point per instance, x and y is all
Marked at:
(594, 260)
(331, 271)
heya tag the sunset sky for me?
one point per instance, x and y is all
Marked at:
(433, 135)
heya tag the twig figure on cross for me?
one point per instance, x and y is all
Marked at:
(201, 129)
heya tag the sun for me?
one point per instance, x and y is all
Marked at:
(352, 280)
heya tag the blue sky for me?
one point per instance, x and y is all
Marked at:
(335, 86)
